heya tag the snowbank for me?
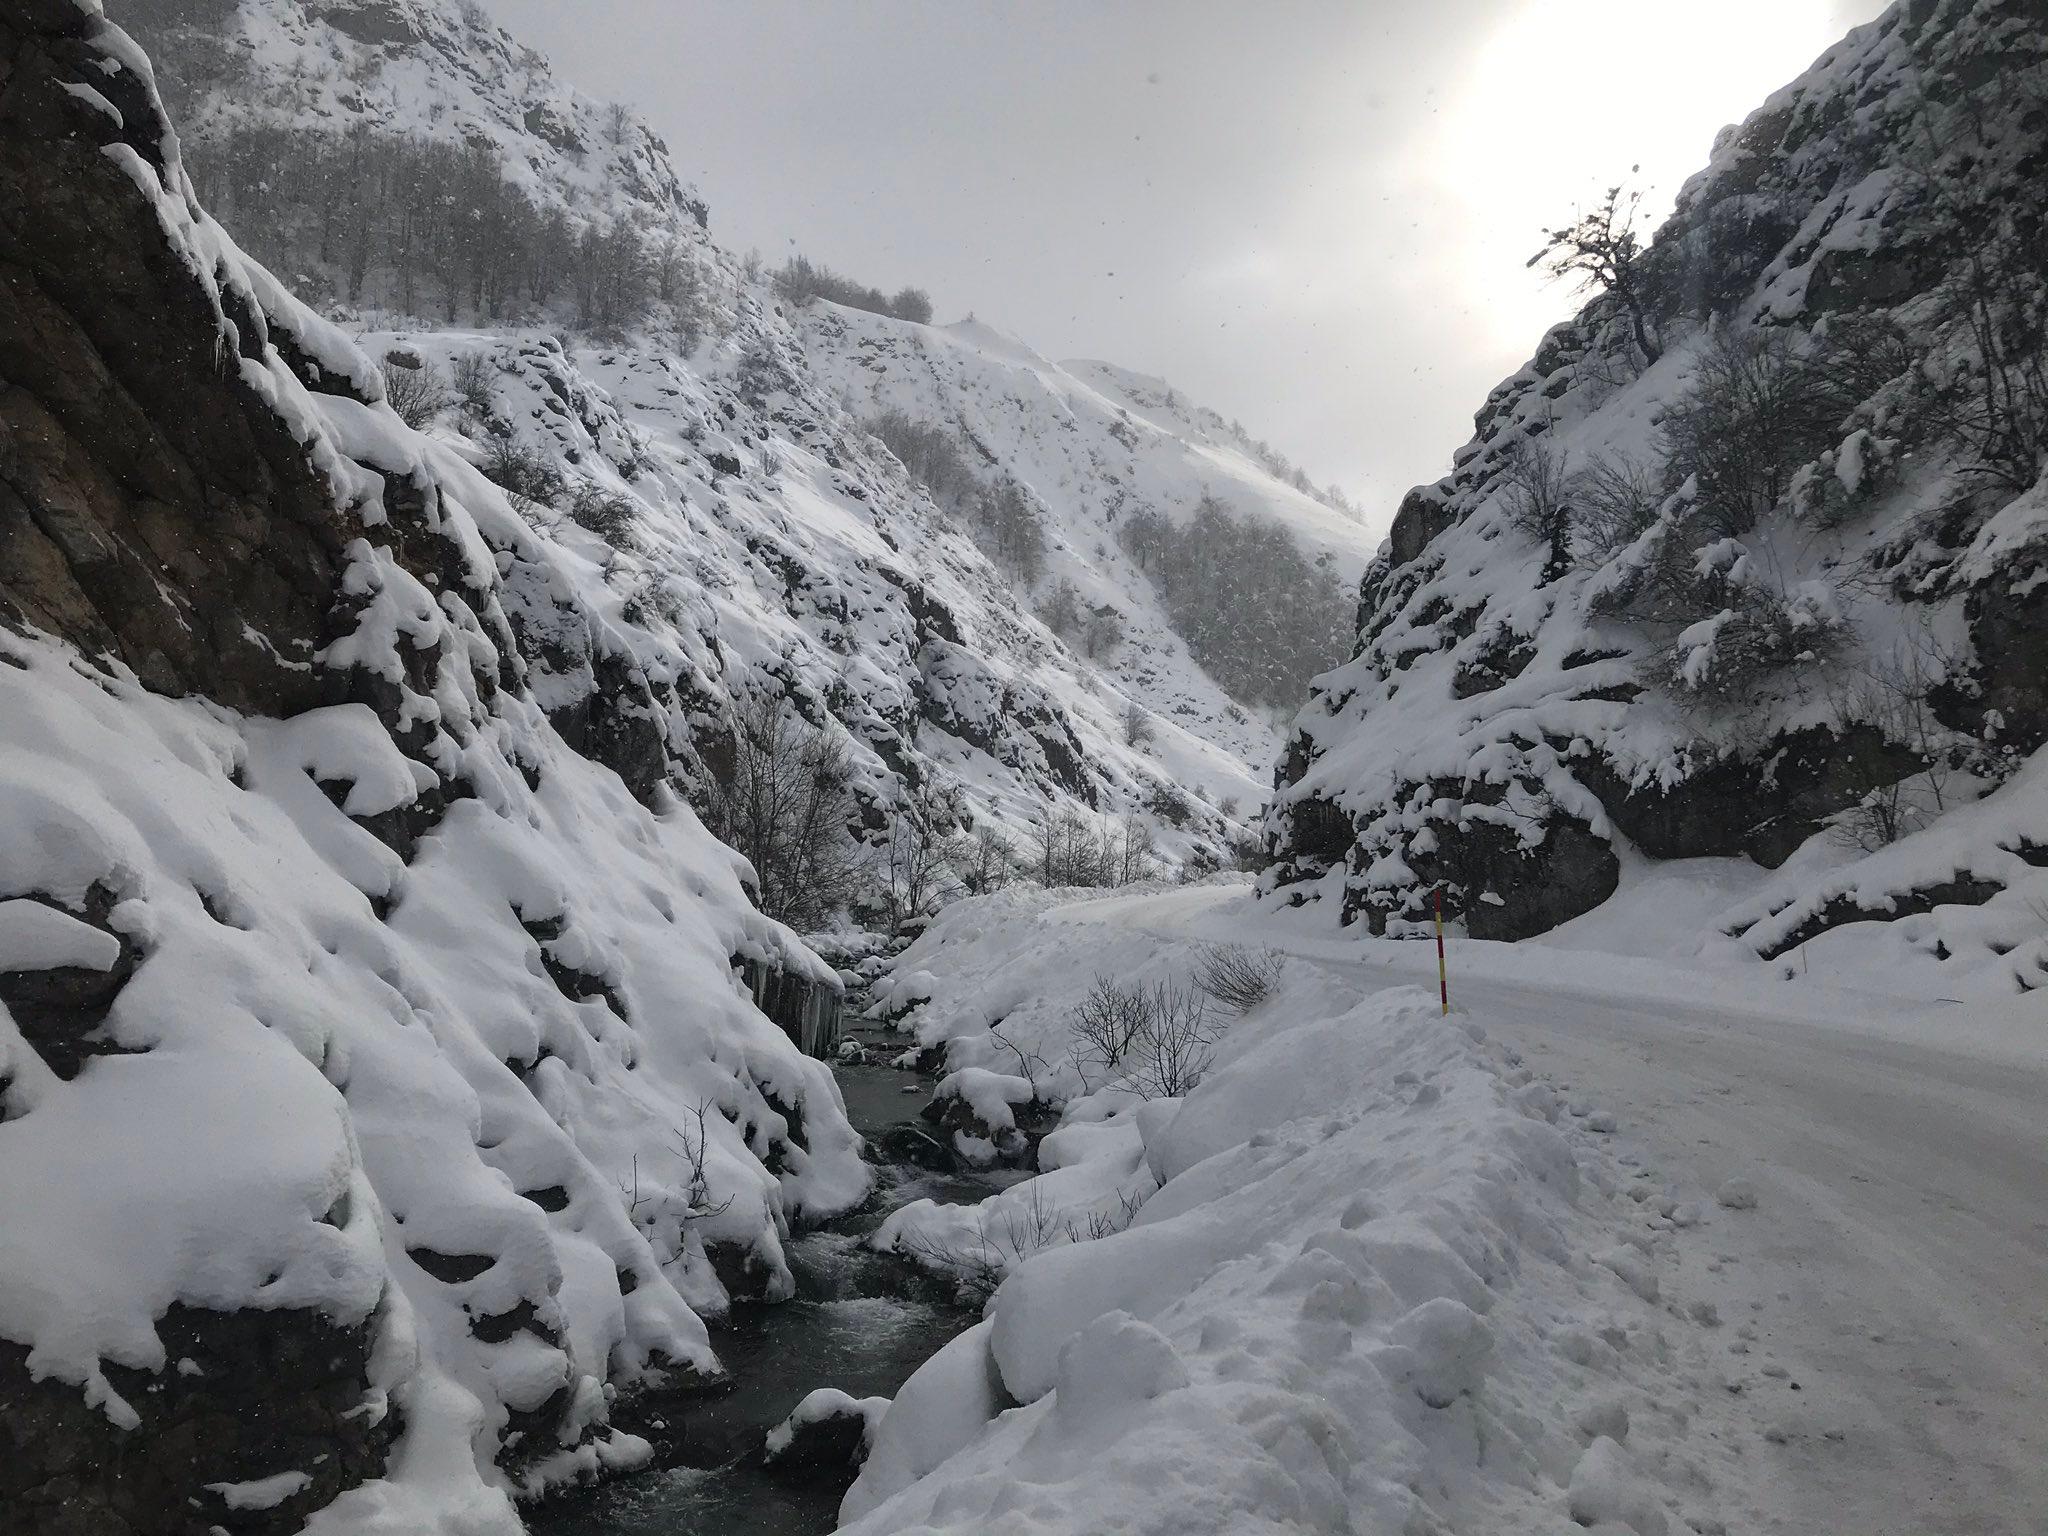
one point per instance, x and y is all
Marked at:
(1382, 1283)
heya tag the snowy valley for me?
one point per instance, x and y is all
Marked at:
(640, 893)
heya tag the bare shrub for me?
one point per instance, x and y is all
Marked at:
(1759, 408)
(1105, 1026)
(607, 514)
(1239, 977)
(417, 394)
(786, 803)
(1138, 726)
(526, 474)
(1760, 632)
(1617, 500)
(1895, 693)
(471, 379)
(1538, 500)
(1177, 1045)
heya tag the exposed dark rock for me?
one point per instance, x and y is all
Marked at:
(1424, 513)
(243, 1396)
(60, 1012)
(1014, 1145)
(451, 1268)
(1763, 807)
(133, 470)
(1964, 890)
(826, 1451)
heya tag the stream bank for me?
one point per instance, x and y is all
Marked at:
(861, 1321)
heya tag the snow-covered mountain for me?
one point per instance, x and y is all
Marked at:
(771, 544)
(380, 1093)
(1746, 564)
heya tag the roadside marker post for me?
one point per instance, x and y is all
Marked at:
(1443, 974)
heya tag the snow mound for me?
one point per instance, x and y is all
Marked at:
(1306, 1296)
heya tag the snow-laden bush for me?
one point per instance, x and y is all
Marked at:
(1762, 631)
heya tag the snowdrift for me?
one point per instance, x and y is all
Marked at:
(1371, 1274)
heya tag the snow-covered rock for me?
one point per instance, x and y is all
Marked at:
(1853, 657)
(376, 1087)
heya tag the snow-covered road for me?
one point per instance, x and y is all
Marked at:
(1887, 1301)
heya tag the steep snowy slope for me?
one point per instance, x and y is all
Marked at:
(1760, 582)
(1094, 446)
(771, 545)
(378, 1095)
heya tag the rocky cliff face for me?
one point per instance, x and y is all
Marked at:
(350, 1016)
(769, 545)
(1746, 562)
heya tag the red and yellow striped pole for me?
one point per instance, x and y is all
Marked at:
(1443, 974)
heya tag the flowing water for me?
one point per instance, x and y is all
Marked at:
(860, 1321)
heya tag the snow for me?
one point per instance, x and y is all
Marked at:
(36, 937)
(1393, 1277)
(822, 1406)
(262, 1492)
(1604, 1490)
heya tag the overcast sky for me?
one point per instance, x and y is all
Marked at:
(1311, 216)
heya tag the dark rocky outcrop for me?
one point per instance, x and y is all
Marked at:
(137, 465)
(244, 1396)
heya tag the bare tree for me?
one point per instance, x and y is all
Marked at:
(987, 861)
(1130, 851)
(1069, 850)
(1601, 249)
(786, 804)
(925, 844)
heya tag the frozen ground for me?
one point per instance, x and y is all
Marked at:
(1862, 1350)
